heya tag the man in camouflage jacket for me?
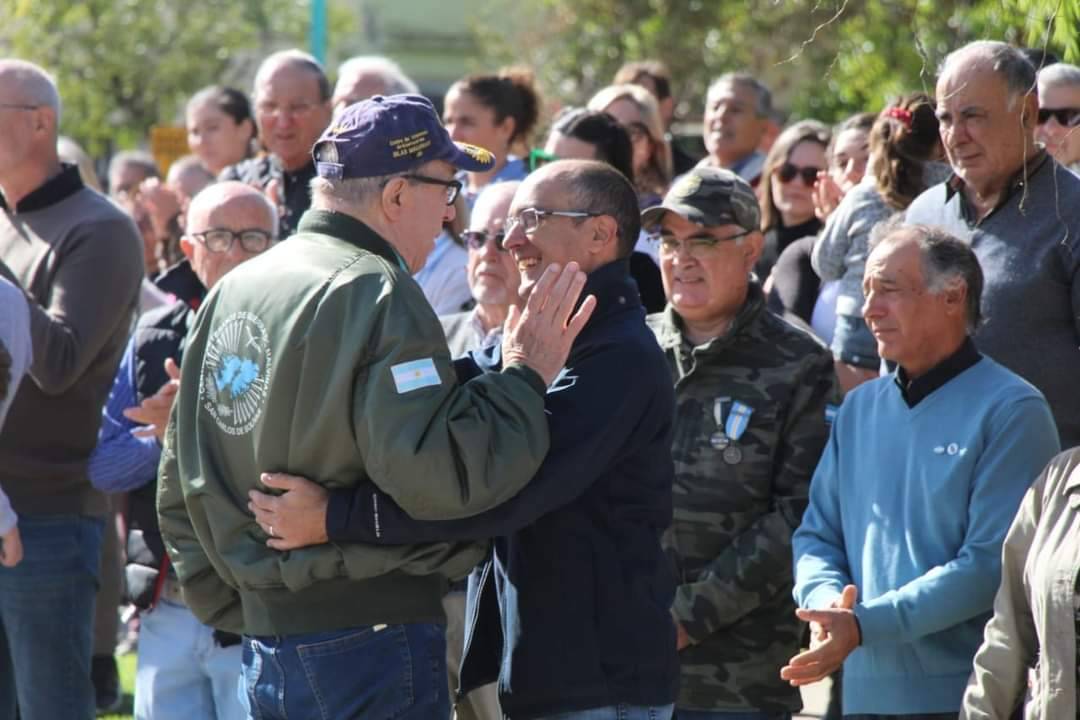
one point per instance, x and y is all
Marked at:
(752, 398)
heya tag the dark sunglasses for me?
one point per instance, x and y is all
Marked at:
(788, 171)
(1066, 117)
(477, 239)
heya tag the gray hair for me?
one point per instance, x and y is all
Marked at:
(946, 260)
(764, 107)
(139, 158)
(186, 163)
(1005, 60)
(296, 59)
(36, 86)
(1057, 75)
(355, 192)
(393, 77)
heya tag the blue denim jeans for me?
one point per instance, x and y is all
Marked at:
(730, 715)
(616, 712)
(182, 673)
(373, 672)
(46, 619)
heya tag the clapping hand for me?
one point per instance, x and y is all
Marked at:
(834, 633)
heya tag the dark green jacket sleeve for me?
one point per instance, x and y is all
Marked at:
(441, 450)
(207, 595)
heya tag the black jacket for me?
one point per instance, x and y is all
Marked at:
(574, 604)
(159, 334)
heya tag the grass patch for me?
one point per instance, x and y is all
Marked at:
(126, 666)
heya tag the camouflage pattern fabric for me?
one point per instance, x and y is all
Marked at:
(736, 510)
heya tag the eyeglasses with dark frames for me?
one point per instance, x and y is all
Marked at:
(698, 246)
(453, 187)
(788, 171)
(220, 240)
(477, 239)
(530, 218)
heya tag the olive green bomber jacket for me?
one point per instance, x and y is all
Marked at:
(322, 358)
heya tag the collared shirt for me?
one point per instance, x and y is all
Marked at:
(917, 389)
(1017, 182)
(62, 185)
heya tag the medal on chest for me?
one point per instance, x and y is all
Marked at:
(729, 431)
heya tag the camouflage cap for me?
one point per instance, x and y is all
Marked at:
(709, 196)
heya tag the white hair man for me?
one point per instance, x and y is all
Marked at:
(366, 76)
(78, 259)
(1019, 209)
(1059, 113)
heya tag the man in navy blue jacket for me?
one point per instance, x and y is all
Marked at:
(570, 613)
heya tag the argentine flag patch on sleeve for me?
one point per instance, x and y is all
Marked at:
(415, 375)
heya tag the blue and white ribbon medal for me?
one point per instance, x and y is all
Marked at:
(738, 421)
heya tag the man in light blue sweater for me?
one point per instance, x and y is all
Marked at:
(898, 555)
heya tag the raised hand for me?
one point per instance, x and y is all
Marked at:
(540, 336)
(153, 412)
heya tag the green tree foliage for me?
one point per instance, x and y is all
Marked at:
(823, 58)
(124, 65)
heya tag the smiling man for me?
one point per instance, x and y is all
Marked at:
(322, 357)
(752, 397)
(899, 554)
(737, 108)
(570, 613)
(1019, 210)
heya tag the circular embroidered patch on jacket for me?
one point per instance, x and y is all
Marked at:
(235, 369)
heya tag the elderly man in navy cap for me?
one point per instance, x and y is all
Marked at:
(322, 358)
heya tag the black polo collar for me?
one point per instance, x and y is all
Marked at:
(59, 187)
(915, 391)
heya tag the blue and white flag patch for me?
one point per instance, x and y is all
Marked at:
(415, 375)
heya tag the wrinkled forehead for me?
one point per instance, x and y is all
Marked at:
(896, 257)
(492, 207)
(972, 82)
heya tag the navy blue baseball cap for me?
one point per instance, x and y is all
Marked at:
(391, 135)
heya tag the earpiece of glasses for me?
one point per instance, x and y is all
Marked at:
(477, 239)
